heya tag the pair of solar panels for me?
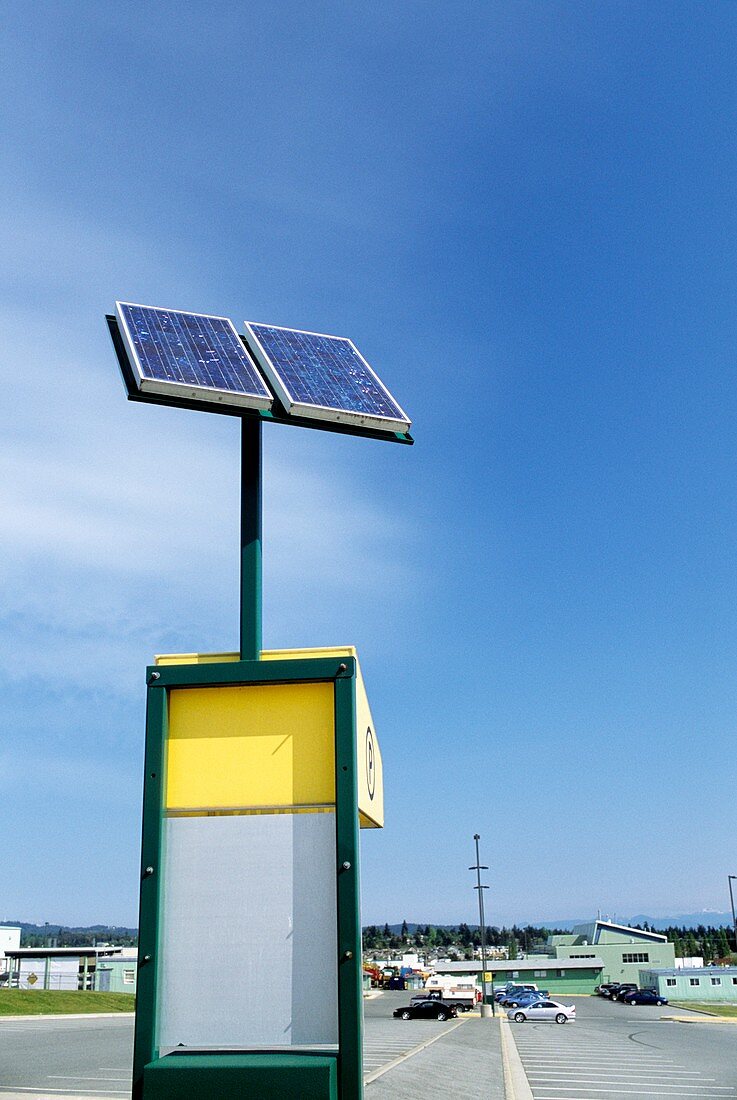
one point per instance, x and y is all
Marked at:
(194, 356)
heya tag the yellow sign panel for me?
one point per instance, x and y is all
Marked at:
(252, 747)
(265, 746)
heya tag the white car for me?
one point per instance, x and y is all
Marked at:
(543, 1010)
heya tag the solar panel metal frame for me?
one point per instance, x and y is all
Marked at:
(323, 412)
(275, 415)
(209, 394)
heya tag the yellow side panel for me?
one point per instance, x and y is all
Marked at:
(266, 745)
(370, 766)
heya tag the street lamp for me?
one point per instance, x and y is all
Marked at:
(478, 868)
(731, 898)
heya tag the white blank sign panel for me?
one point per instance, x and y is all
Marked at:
(248, 942)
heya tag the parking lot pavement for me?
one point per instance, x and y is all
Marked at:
(60, 1057)
(613, 1051)
(426, 1059)
(67, 1057)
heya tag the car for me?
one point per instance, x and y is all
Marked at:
(516, 1000)
(643, 997)
(503, 994)
(608, 989)
(623, 989)
(426, 1009)
(543, 1010)
(510, 989)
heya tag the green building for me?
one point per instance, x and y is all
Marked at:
(116, 975)
(623, 951)
(592, 953)
(557, 977)
(702, 983)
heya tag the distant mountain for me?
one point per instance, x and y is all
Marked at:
(708, 917)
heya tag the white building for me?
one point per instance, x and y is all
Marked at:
(9, 938)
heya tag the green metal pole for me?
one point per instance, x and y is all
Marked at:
(145, 1040)
(250, 632)
(350, 969)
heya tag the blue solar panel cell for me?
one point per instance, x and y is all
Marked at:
(324, 377)
(191, 355)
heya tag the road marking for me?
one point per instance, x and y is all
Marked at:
(629, 1081)
(625, 1092)
(65, 1092)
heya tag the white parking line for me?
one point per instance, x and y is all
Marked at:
(77, 1077)
(629, 1081)
(713, 1090)
(15, 1089)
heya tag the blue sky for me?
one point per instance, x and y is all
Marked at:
(524, 215)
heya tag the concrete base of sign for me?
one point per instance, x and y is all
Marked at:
(487, 1010)
(233, 1076)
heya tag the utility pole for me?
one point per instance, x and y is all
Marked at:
(478, 868)
(731, 898)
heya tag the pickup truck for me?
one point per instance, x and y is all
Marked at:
(463, 997)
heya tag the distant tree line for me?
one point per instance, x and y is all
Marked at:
(464, 938)
(57, 935)
(707, 942)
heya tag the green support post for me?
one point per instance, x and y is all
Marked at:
(350, 986)
(250, 610)
(148, 921)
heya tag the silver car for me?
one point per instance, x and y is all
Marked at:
(543, 1010)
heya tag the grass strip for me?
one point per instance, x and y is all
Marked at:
(711, 1009)
(48, 1002)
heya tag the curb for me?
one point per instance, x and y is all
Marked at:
(516, 1085)
(702, 1019)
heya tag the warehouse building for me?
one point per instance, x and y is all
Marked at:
(53, 967)
(574, 976)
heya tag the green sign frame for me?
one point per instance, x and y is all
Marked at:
(251, 1068)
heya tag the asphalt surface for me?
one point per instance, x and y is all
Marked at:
(403, 1059)
(611, 1052)
(66, 1057)
(454, 1060)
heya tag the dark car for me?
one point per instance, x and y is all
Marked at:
(607, 989)
(623, 989)
(642, 997)
(426, 1010)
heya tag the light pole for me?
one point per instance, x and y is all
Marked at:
(478, 868)
(731, 898)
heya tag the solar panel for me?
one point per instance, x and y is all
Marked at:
(324, 377)
(190, 355)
